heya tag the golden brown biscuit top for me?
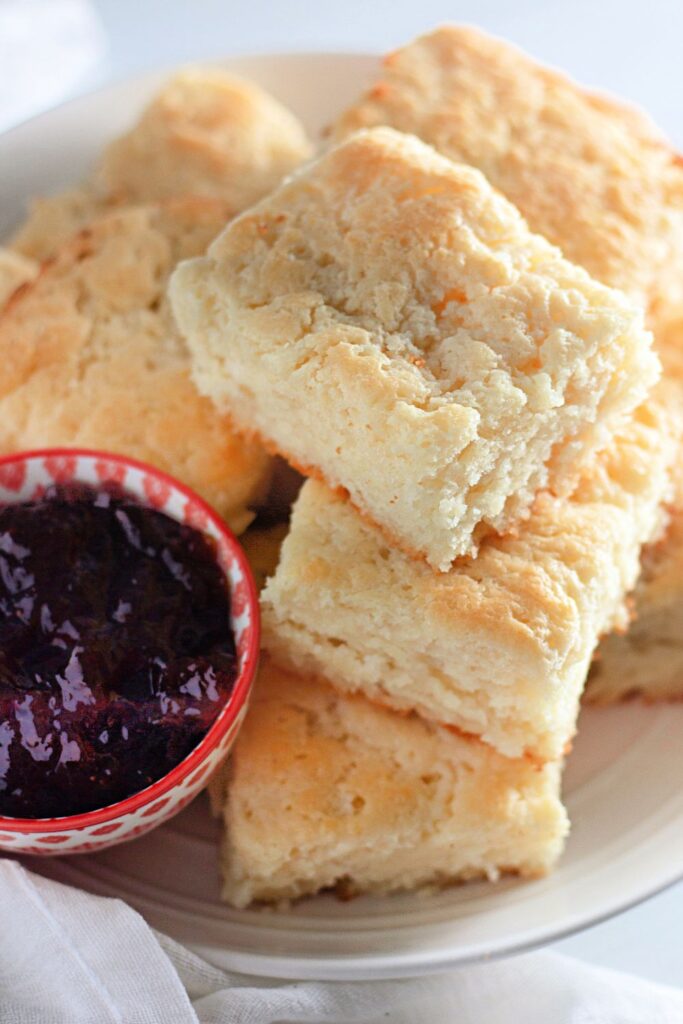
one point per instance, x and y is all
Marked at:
(385, 237)
(304, 741)
(205, 133)
(106, 288)
(90, 356)
(592, 175)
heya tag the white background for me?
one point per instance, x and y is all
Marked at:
(631, 48)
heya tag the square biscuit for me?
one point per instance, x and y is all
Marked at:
(329, 790)
(499, 647)
(386, 321)
(90, 357)
(593, 176)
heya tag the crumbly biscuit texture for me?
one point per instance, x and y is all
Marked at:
(498, 647)
(328, 790)
(386, 320)
(595, 177)
(15, 270)
(90, 356)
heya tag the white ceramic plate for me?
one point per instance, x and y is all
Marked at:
(623, 784)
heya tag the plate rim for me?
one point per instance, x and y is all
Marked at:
(155, 70)
(371, 965)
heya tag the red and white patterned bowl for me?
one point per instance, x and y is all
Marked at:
(24, 477)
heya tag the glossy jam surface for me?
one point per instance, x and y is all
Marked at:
(116, 650)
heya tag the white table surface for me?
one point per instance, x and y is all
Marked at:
(630, 47)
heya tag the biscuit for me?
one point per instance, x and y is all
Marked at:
(499, 647)
(90, 357)
(647, 659)
(386, 320)
(328, 790)
(593, 176)
(15, 270)
(206, 133)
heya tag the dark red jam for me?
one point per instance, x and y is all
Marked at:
(116, 651)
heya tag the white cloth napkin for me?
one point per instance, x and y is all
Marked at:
(67, 957)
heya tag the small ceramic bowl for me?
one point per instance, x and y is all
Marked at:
(24, 477)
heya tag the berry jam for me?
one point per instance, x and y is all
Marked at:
(116, 651)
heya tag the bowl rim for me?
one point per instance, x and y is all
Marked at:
(227, 715)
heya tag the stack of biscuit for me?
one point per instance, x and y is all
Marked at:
(444, 322)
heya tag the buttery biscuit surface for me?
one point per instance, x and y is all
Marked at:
(324, 788)
(386, 320)
(90, 357)
(591, 175)
(499, 646)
